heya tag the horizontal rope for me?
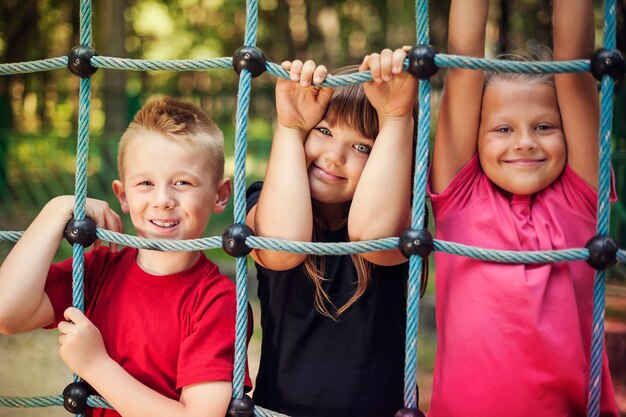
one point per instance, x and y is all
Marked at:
(503, 65)
(11, 236)
(93, 401)
(506, 256)
(441, 60)
(49, 401)
(212, 242)
(263, 412)
(340, 248)
(160, 65)
(34, 66)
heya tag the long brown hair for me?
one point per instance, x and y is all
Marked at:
(348, 107)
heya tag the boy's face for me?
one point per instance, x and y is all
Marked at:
(521, 145)
(168, 188)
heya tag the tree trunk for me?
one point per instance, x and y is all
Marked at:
(113, 35)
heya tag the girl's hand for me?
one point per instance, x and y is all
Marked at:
(300, 105)
(81, 345)
(392, 91)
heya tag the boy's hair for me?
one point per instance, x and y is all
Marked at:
(177, 120)
(348, 107)
(543, 54)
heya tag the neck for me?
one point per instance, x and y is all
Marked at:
(332, 215)
(165, 263)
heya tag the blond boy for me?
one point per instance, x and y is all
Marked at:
(157, 335)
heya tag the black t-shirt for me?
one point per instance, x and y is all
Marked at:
(314, 366)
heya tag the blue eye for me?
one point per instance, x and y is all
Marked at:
(324, 131)
(362, 148)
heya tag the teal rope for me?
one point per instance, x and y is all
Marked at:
(11, 236)
(604, 190)
(342, 248)
(442, 60)
(241, 130)
(499, 65)
(417, 218)
(48, 401)
(33, 66)
(212, 242)
(160, 65)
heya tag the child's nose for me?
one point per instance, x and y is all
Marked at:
(525, 141)
(164, 198)
(334, 155)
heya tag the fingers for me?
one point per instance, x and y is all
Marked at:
(384, 65)
(105, 218)
(306, 73)
(74, 315)
(398, 60)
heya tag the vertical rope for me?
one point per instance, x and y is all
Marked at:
(417, 219)
(241, 130)
(604, 190)
(82, 155)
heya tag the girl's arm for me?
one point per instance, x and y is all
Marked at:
(381, 204)
(459, 112)
(24, 305)
(284, 208)
(82, 349)
(577, 93)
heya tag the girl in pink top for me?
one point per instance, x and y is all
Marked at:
(515, 167)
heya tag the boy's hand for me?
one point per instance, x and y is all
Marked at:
(81, 345)
(105, 218)
(62, 208)
(392, 91)
(299, 105)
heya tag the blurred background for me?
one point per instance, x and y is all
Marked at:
(38, 118)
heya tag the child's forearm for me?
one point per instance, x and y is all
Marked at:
(459, 112)
(131, 398)
(467, 27)
(569, 43)
(381, 203)
(577, 92)
(284, 208)
(24, 305)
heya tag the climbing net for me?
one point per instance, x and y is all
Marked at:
(601, 252)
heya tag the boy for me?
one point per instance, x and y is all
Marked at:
(158, 335)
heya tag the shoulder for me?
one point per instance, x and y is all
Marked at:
(572, 191)
(468, 189)
(209, 282)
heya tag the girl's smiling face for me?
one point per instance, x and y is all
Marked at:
(521, 145)
(335, 158)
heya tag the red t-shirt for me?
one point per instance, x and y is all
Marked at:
(167, 331)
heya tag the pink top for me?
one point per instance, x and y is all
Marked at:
(514, 340)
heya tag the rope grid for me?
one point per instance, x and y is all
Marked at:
(341, 248)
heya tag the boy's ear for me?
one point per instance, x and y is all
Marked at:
(224, 189)
(120, 193)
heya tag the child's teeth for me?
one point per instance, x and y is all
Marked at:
(161, 224)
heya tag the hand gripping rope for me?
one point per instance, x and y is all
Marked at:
(601, 252)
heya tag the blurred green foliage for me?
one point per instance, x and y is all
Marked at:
(38, 111)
